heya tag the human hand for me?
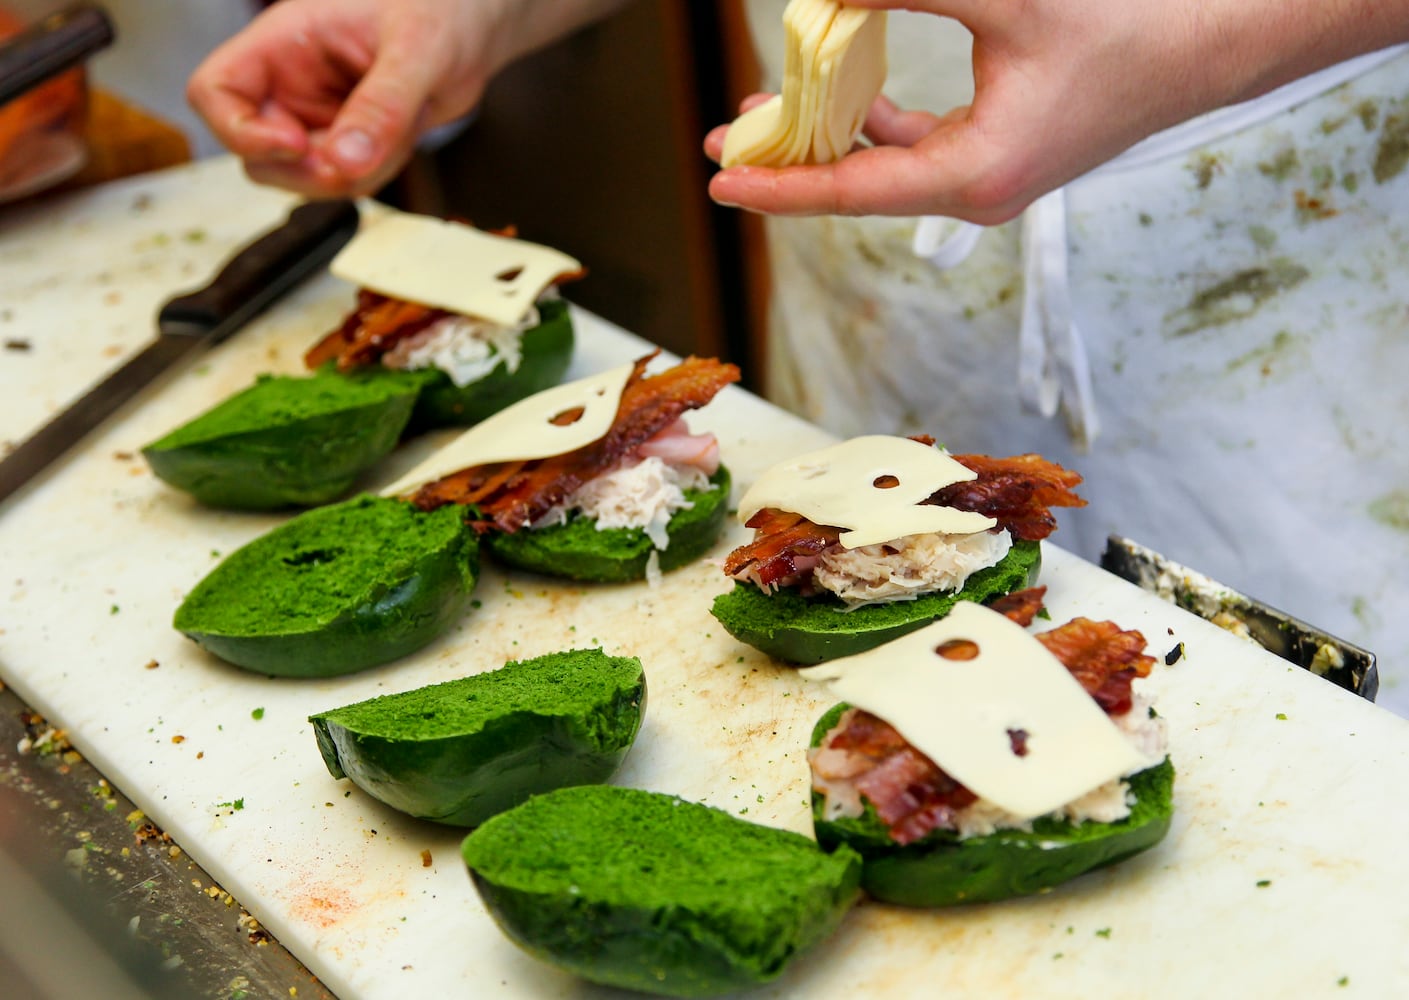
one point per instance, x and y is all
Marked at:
(1061, 86)
(327, 97)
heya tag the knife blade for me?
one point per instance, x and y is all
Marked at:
(256, 277)
(1338, 661)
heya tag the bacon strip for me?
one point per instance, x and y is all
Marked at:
(1102, 657)
(1020, 606)
(912, 795)
(511, 495)
(1017, 491)
(373, 328)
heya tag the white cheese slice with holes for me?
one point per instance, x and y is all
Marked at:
(962, 713)
(873, 486)
(450, 266)
(834, 66)
(526, 430)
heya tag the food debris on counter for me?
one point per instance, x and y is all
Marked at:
(17, 344)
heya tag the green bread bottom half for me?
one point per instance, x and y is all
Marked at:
(942, 870)
(808, 630)
(462, 751)
(336, 589)
(577, 550)
(649, 892)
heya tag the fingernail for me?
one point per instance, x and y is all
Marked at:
(353, 148)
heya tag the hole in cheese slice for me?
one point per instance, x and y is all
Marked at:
(450, 266)
(847, 486)
(961, 713)
(531, 428)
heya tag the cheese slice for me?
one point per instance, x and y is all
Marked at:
(834, 66)
(450, 266)
(851, 72)
(848, 485)
(961, 714)
(525, 430)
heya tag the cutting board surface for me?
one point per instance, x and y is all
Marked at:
(1283, 873)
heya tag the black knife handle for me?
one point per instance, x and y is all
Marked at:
(52, 45)
(262, 272)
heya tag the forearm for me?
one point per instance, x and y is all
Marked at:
(1253, 48)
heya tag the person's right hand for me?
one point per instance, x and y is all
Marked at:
(328, 97)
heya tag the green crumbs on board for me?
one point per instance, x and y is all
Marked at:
(462, 751)
(336, 589)
(650, 892)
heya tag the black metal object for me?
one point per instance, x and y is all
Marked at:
(1338, 661)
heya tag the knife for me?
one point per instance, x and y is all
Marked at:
(57, 43)
(249, 283)
(1342, 663)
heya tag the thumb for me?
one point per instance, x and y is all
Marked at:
(384, 113)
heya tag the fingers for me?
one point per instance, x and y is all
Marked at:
(946, 174)
(889, 125)
(231, 90)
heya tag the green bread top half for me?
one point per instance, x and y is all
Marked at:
(572, 683)
(336, 589)
(465, 750)
(647, 891)
(808, 630)
(288, 440)
(943, 869)
(304, 440)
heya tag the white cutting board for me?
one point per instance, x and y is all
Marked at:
(1284, 873)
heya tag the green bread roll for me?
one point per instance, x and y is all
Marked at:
(942, 870)
(649, 892)
(577, 550)
(545, 353)
(465, 750)
(287, 440)
(336, 589)
(808, 630)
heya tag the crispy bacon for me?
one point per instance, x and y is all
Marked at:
(373, 328)
(1017, 491)
(511, 495)
(913, 796)
(1020, 606)
(1102, 657)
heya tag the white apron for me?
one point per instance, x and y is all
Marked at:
(1243, 347)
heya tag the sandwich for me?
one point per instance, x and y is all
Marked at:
(971, 761)
(649, 892)
(474, 314)
(336, 589)
(597, 480)
(450, 325)
(464, 750)
(864, 541)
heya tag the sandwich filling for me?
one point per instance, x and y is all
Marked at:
(634, 476)
(863, 760)
(788, 550)
(409, 337)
